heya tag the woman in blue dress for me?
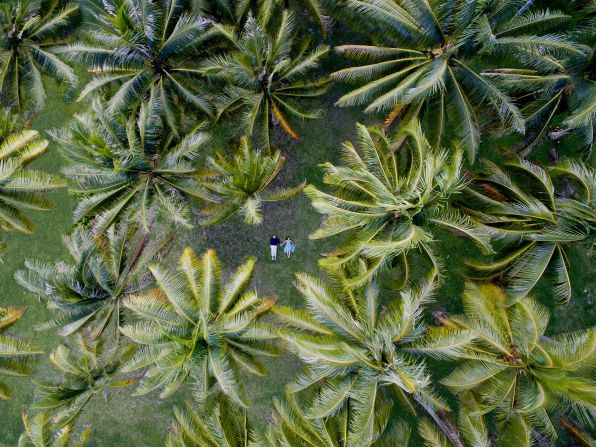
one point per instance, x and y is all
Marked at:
(289, 247)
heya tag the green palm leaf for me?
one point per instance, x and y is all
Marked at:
(27, 29)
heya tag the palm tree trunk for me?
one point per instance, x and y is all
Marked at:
(526, 6)
(446, 426)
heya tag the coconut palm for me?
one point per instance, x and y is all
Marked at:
(226, 425)
(515, 372)
(430, 58)
(539, 213)
(40, 432)
(88, 292)
(265, 75)
(292, 426)
(389, 203)
(15, 353)
(358, 355)
(87, 368)
(241, 184)
(193, 326)
(21, 189)
(28, 31)
(129, 169)
(142, 48)
(566, 94)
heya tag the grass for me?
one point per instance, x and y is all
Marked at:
(142, 421)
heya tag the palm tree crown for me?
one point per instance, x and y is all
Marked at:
(145, 48)
(241, 184)
(129, 169)
(88, 293)
(27, 30)
(563, 91)
(87, 368)
(21, 188)
(389, 202)
(552, 210)
(357, 353)
(15, 353)
(192, 326)
(264, 75)
(438, 66)
(508, 363)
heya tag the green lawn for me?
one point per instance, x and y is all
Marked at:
(142, 421)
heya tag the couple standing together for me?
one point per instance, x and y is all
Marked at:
(288, 245)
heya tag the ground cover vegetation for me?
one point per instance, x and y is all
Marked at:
(432, 159)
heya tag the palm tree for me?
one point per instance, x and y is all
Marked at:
(514, 371)
(40, 432)
(28, 30)
(15, 353)
(388, 203)
(88, 368)
(194, 327)
(226, 425)
(358, 355)
(148, 48)
(264, 76)
(21, 189)
(292, 426)
(129, 169)
(538, 217)
(240, 185)
(438, 67)
(563, 91)
(88, 292)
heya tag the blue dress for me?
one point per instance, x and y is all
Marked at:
(289, 247)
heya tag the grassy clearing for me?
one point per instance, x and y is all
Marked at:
(142, 421)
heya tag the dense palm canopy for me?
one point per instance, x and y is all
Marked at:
(240, 184)
(358, 354)
(40, 432)
(139, 48)
(129, 168)
(508, 364)
(431, 58)
(21, 189)
(538, 212)
(266, 75)
(88, 292)
(28, 31)
(226, 425)
(87, 368)
(194, 327)
(16, 354)
(389, 198)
